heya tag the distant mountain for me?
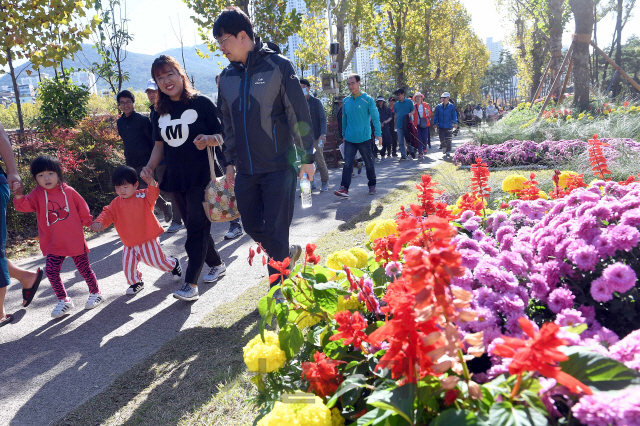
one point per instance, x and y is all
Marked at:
(138, 66)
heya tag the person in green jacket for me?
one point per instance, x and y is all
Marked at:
(359, 110)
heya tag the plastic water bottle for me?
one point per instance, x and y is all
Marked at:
(305, 189)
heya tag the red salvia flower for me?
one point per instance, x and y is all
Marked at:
(322, 375)
(471, 202)
(252, 253)
(480, 179)
(350, 328)
(530, 190)
(281, 267)
(598, 161)
(450, 396)
(310, 257)
(538, 353)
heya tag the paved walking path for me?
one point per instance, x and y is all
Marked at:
(50, 366)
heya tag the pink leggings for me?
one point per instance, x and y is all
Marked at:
(54, 264)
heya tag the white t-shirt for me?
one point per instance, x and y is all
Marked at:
(420, 111)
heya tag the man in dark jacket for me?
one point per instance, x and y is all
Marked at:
(392, 128)
(265, 115)
(135, 130)
(319, 121)
(386, 120)
(446, 118)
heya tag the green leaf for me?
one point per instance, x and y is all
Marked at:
(597, 371)
(291, 340)
(282, 314)
(373, 416)
(398, 400)
(327, 299)
(534, 401)
(355, 381)
(458, 418)
(506, 414)
(265, 305)
(577, 329)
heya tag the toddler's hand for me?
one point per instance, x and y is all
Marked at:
(146, 173)
(148, 178)
(17, 188)
(97, 227)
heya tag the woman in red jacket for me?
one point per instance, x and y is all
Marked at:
(422, 121)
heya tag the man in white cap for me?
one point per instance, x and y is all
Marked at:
(176, 221)
(446, 118)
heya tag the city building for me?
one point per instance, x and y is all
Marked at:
(27, 93)
(34, 79)
(87, 79)
(365, 61)
(494, 48)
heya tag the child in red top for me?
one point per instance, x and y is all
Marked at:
(61, 212)
(137, 226)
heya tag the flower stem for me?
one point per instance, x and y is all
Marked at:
(465, 369)
(516, 388)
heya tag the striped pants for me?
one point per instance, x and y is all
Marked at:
(149, 253)
(54, 264)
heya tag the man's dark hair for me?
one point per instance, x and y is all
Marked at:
(232, 21)
(46, 163)
(125, 94)
(123, 175)
(305, 82)
(356, 76)
(400, 91)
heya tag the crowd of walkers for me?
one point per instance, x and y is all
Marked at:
(264, 122)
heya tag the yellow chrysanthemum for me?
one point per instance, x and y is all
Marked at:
(340, 258)
(370, 226)
(562, 179)
(307, 320)
(543, 195)
(362, 256)
(299, 414)
(350, 304)
(383, 228)
(266, 356)
(336, 418)
(513, 183)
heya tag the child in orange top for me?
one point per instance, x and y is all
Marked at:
(61, 212)
(137, 226)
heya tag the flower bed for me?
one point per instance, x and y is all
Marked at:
(454, 315)
(547, 153)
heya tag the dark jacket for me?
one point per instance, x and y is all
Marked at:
(410, 131)
(264, 113)
(385, 114)
(135, 132)
(318, 116)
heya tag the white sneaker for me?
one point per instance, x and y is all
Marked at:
(187, 293)
(215, 273)
(94, 300)
(62, 308)
(233, 233)
(174, 227)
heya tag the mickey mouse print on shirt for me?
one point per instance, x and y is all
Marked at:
(176, 132)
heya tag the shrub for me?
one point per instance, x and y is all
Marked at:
(62, 103)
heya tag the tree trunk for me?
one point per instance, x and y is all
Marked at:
(555, 39)
(583, 16)
(14, 80)
(616, 82)
(538, 52)
(594, 61)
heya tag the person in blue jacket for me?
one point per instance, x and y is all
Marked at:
(359, 110)
(446, 118)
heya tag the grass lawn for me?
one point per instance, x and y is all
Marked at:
(199, 378)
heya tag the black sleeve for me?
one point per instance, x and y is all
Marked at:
(155, 133)
(147, 129)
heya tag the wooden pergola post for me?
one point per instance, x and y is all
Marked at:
(567, 58)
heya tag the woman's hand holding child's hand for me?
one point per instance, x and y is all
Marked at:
(97, 227)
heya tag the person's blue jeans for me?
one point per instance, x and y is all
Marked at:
(401, 144)
(4, 200)
(365, 150)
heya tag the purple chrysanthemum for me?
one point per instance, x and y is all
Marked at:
(600, 290)
(559, 299)
(570, 318)
(620, 277)
(393, 269)
(624, 237)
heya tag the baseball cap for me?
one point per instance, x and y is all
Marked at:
(445, 95)
(151, 85)
(381, 98)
